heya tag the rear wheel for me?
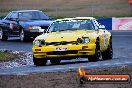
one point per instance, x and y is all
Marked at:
(55, 61)
(108, 54)
(39, 61)
(2, 36)
(97, 56)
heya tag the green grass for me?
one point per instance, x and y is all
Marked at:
(6, 56)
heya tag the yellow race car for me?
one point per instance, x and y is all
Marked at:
(70, 38)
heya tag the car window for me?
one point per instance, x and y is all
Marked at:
(87, 25)
(72, 25)
(43, 15)
(11, 15)
(25, 15)
(14, 15)
(8, 16)
(32, 15)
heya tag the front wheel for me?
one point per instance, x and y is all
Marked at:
(23, 37)
(39, 61)
(108, 54)
(2, 36)
(97, 56)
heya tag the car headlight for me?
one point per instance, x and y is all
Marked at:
(83, 40)
(86, 40)
(39, 42)
(36, 42)
(30, 27)
(36, 27)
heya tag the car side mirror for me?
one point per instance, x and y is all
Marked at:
(101, 27)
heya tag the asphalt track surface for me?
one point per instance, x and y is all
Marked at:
(122, 45)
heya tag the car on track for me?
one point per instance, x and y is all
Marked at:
(70, 38)
(25, 24)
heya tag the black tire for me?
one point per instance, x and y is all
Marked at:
(55, 61)
(23, 37)
(2, 36)
(39, 61)
(108, 54)
(97, 56)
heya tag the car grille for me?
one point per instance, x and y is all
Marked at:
(61, 43)
(44, 27)
(62, 52)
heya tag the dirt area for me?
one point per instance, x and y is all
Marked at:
(69, 8)
(62, 79)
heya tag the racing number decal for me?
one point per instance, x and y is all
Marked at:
(104, 39)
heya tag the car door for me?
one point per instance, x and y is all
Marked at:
(12, 24)
(106, 37)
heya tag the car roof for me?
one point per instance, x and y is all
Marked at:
(68, 18)
(84, 18)
(76, 18)
(24, 10)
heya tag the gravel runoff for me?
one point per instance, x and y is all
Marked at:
(23, 59)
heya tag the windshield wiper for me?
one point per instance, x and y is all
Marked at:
(62, 30)
(44, 19)
(67, 29)
(71, 29)
(34, 19)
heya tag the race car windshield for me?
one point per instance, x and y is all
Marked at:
(71, 25)
(32, 15)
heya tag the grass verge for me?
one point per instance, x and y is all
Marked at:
(4, 56)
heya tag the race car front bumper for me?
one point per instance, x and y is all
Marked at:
(64, 51)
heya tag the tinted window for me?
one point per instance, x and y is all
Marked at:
(33, 15)
(11, 15)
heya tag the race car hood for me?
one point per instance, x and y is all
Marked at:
(66, 35)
